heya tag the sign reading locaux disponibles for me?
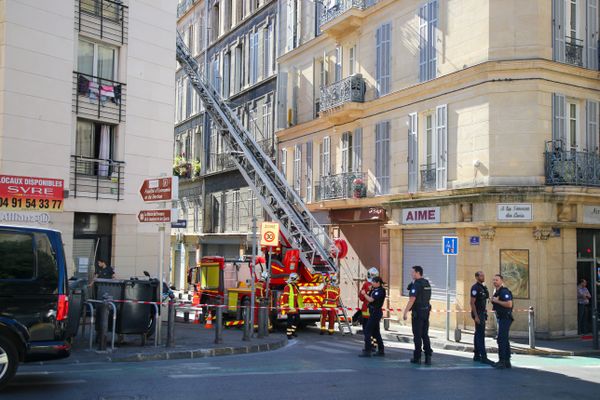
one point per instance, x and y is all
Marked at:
(514, 211)
(27, 193)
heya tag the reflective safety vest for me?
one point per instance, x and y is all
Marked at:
(365, 305)
(332, 296)
(291, 298)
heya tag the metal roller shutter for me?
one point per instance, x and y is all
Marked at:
(424, 248)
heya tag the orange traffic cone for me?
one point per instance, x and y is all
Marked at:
(209, 323)
(196, 317)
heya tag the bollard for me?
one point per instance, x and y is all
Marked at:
(247, 327)
(531, 323)
(171, 325)
(264, 311)
(103, 320)
(219, 326)
(261, 317)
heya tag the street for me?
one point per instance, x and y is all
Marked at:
(313, 367)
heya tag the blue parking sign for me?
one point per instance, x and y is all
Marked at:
(450, 245)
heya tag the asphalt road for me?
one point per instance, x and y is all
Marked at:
(313, 367)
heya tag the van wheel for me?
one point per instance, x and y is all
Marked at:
(9, 361)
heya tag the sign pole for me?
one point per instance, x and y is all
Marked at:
(161, 255)
(253, 274)
(447, 298)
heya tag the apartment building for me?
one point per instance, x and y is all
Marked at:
(401, 122)
(87, 99)
(235, 43)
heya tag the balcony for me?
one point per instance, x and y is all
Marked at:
(427, 177)
(564, 167)
(348, 185)
(107, 20)
(99, 179)
(339, 101)
(574, 51)
(184, 6)
(344, 16)
(99, 99)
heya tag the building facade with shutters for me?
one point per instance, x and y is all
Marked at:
(87, 97)
(401, 122)
(235, 44)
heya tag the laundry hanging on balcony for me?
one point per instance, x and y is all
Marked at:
(94, 91)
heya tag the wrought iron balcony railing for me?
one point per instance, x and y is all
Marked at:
(98, 98)
(570, 167)
(574, 51)
(105, 19)
(224, 161)
(351, 89)
(342, 186)
(183, 6)
(341, 6)
(95, 178)
(427, 177)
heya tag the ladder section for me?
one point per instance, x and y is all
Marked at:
(278, 198)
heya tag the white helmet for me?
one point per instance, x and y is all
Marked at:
(293, 278)
(372, 273)
(334, 280)
(264, 276)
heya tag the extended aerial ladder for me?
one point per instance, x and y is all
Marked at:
(317, 251)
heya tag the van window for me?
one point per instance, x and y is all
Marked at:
(17, 260)
(47, 270)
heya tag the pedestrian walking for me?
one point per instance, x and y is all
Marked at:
(503, 305)
(583, 305)
(479, 298)
(372, 329)
(331, 303)
(419, 305)
(291, 301)
(366, 288)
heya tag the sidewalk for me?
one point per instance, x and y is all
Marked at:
(559, 347)
(191, 341)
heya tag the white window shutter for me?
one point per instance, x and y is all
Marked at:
(559, 120)
(345, 152)
(326, 156)
(423, 43)
(441, 142)
(386, 157)
(291, 23)
(378, 59)
(357, 150)
(386, 57)
(558, 29)
(413, 155)
(309, 172)
(297, 168)
(592, 34)
(284, 162)
(591, 114)
(431, 39)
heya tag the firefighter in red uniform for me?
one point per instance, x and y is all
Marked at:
(260, 293)
(331, 303)
(291, 302)
(366, 289)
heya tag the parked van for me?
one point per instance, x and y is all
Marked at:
(33, 298)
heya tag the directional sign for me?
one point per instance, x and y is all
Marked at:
(160, 189)
(180, 223)
(269, 234)
(450, 245)
(160, 216)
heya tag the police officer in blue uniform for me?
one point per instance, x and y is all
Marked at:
(479, 298)
(418, 303)
(375, 298)
(503, 305)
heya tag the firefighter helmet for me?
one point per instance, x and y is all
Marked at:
(293, 278)
(372, 273)
(334, 280)
(264, 276)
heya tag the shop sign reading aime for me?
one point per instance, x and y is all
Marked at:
(423, 215)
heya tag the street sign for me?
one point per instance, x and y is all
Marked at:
(450, 245)
(160, 189)
(180, 223)
(160, 216)
(269, 234)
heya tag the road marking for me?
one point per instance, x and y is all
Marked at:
(447, 368)
(68, 371)
(71, 382)
(341, 345)
(325, 349)
(251, 373)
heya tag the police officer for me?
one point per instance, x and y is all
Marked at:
(375, 300)
(503, 305)
(418, 303)
(479, 298)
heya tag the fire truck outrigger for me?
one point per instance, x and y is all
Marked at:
(305, 247)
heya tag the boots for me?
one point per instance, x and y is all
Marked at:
(427, 359)
(503, 364)
(415, 360)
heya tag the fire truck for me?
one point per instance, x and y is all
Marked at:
(305, 247)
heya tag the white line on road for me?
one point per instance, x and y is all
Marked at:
(71, 382)
(324, 349)
(345, 346)
(67, 371)
(251, 373)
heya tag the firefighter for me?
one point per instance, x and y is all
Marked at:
(330, 303)
(366, 290)
(291, 301)
(260, 292)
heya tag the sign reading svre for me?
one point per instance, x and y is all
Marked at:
(423, 215)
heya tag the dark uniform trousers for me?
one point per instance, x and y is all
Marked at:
(480, 336)
(504, 324)
(420, 329)
(372, 331)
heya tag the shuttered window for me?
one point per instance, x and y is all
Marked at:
(413, 157)
(346, 147)
(441, 131)
(297, 167)
(384, 58)
(357, 150)
(283, 162)
(309, 172)
(591, 115)
(559, 120)
(428, 16)
(326, 157)
(592, 34)
(382, 157)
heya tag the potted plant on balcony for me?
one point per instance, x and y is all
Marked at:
(196, 167)
(358, 188)
(181, 167)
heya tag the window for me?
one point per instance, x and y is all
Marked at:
(253, 127)
(429, 140)
(413, 154)
(283, 162)
(105, 9)
(95, 142)
(216, 75)
(383, 59)
(346, 149)
(325, 163)
(338, 64)
(190, 37)
(292, 24)
(357, 150)
(97, 60)
(309, 171)
(352, 60)
(428, 16)
(254, 67)
(47, 267)
(297, 167)
(268, 50)
(268, 118)
(382, 157)
(572, 125)
(17, 260)
(238, 69)
(226, 74)
(189, 96)
(441, 147)
(179, 100)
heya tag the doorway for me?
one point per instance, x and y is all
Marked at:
(588, 268)
(92, 240)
